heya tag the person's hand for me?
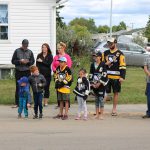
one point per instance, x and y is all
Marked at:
(40, 85)
(39, 60)
(121, 80)
(24, 61)
(28, 105)
(23, 84)
(97, 85)
(108, 63)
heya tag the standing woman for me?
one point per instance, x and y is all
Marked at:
(61, 48)
(43, 62)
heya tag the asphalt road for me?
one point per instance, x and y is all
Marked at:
(127, 131)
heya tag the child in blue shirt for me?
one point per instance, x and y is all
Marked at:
(24, 96)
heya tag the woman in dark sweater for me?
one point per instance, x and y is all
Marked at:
(43, 62)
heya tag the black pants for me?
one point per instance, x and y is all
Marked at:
(18, 75)
(46, 88)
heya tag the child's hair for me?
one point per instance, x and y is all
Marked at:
(33, 68)
(83, 70)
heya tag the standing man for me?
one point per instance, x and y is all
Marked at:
(116, 71)
(22, 58)
(147, 72)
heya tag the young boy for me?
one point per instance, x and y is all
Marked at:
(37, 82)
(82, 91)
(98, 80)
(63, 80)
(24, 96)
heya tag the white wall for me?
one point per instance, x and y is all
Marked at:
(30, 19)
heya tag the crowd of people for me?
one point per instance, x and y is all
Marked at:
(107, 72)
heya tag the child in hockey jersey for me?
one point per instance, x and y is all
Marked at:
(82, 91)
(98, 80)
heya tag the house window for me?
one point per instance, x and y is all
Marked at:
(3, 22)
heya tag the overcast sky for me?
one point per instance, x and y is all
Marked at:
(134, 12)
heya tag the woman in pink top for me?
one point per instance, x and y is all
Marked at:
(61, 47)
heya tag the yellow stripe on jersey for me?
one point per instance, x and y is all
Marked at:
(64, 90)
(122, 62)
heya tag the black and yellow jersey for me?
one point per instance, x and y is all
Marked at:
(117, 68)
(63, 79)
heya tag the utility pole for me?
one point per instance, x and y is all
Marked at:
(111, 18)
(132, 25)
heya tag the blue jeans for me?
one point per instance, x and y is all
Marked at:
(148, 98)
(99, 102)
(38, 102)
(23, 105)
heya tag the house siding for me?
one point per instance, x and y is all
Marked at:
(30, 19)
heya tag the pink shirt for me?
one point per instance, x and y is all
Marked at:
(55, 62)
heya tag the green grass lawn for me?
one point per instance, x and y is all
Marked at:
(133, 89)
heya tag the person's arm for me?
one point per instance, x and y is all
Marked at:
(147, 72)
(54, 64)
(15, 60)
(31, 60)
(122, 67)
(68, 76)
(69, 61)
(104, 78)
(43, 81)
(48, 62)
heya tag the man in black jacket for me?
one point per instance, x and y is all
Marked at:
(22, 58)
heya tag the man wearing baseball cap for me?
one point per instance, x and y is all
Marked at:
(22, 58)
(116, 70)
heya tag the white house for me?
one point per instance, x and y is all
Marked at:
(34, 20)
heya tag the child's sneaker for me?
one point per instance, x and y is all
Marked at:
(40, 116)
(65, 117)
(77, 118)
(35, 117)
(25, 117)
(19, 116)
(85, 118)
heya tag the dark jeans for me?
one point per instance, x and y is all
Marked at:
(148, 98)
(18, 75)
(46, 88)
(38, 102)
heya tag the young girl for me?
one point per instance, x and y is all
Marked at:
(82, 91)
(98, 80)
(63, 80)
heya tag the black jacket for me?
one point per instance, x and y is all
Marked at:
(82, 88)
(99, 74)
(22, 54)
(45, 66)
(37, 83)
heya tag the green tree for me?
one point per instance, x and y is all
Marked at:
(89, 23)
(121, 26)
(147, 30)
(103, 29)
(59, 19)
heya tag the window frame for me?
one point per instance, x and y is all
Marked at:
(3, 41)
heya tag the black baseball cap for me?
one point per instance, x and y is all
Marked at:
(98, 54)
(25, 41)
